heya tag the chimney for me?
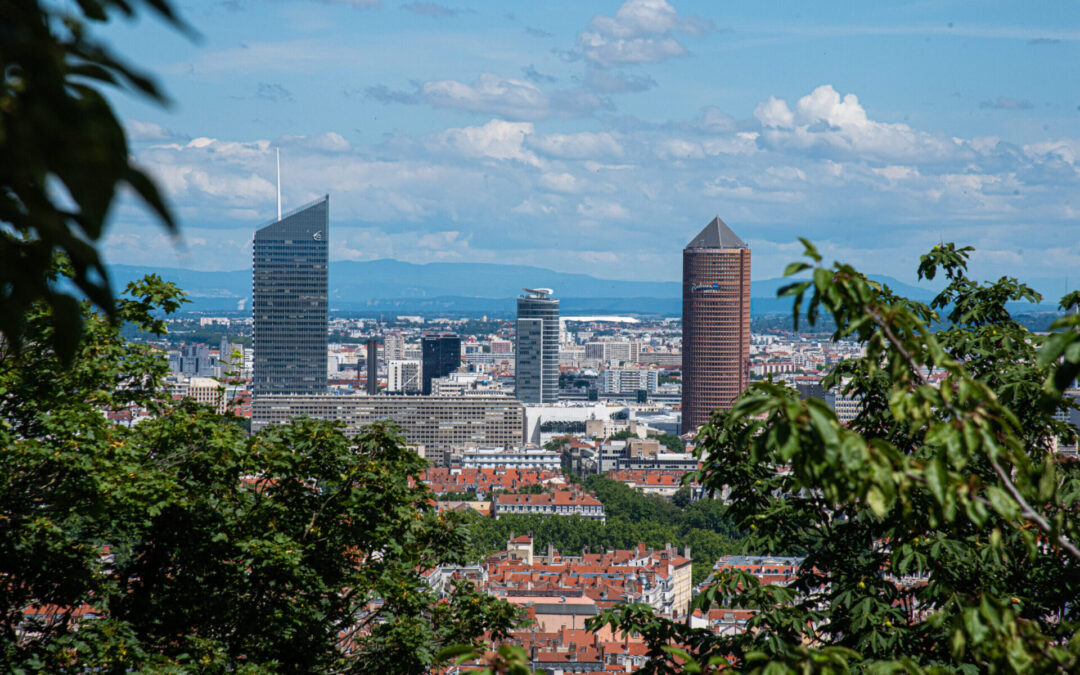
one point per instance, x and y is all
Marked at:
(686, 552)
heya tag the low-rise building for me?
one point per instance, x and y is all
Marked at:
(558, 503)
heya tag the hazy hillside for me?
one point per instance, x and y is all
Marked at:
(394, 286)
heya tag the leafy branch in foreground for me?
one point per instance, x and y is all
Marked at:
(63, 156)
(939, 528)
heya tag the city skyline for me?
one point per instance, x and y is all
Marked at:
(579, 137)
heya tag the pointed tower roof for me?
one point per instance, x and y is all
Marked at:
(717, 235)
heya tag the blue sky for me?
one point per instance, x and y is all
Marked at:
(601, 136)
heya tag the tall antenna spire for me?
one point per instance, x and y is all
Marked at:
(278, 183)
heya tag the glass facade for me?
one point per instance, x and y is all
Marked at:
(536, 366)
(442, 356)
(290, 286)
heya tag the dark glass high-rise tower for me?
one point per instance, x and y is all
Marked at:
(442, 356)
(289, 289)
(536, 360)
(716, 322)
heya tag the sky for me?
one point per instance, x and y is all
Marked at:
(601, 136)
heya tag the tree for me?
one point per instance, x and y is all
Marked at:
(180, 543)
(939, 530)
(63, 156)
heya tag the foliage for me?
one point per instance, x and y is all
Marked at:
(673, 442)
(63, 157)
(939, 529)
(183, 544)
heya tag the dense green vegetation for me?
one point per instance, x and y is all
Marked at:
(196, 547)
(672, 442)
(940, 528)
(632, 517)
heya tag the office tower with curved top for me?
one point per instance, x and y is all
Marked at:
(716, 322)
(289, 292)
(536, 353)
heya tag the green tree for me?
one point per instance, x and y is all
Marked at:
(939, 529)
(181, 543)
(63, 156)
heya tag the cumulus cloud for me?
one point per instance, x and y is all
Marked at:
(826, 122)
(511, 98)
(495, 140)
(641, 31)
(774, 113)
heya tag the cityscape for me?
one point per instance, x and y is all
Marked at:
(447, 337)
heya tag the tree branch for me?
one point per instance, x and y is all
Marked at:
(1031, 514)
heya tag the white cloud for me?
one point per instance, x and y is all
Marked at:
(774, 113)
(496, 140)
(511, 98)
(560, 182)
(583, 145)
(326, 142)
(895, 173)
(640, 32)
(533, 207)
(143, 132)
(1066, 150)
(742, 143)
(824, 121)
(601, 209)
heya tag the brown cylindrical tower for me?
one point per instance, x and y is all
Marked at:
(716, 322)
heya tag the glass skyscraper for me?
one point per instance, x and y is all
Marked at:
(289, 290)
(536, 365)
(442, 356)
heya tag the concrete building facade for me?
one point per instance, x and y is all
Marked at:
(435, 422)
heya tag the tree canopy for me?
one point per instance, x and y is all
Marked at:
(939, 528)
(180, 543)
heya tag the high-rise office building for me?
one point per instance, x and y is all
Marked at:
(716, 322)
(372, 367)
(442, 356)
(290, 302)
(536, 354)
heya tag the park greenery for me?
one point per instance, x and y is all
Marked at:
(631, 517)
(672, 442)
(940, 529)
(182, 544)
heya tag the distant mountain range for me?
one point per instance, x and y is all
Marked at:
(391, 286)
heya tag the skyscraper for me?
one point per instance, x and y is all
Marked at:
(716, 322)
(290, 302)
(536, 365)
(442, 356)
(372, 367)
